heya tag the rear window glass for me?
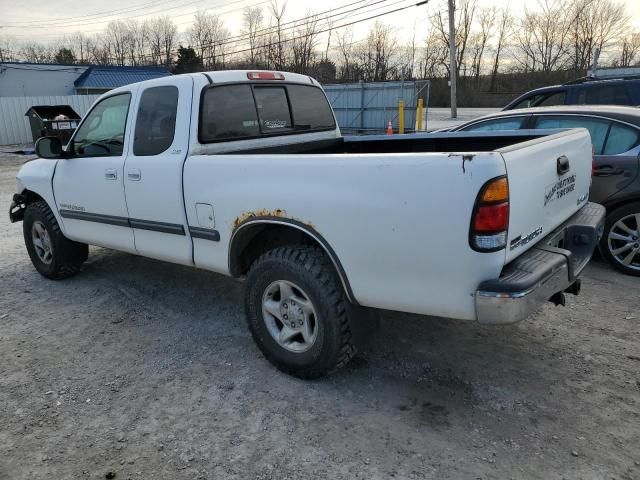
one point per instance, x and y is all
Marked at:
(273, 109)
(511, 123)
(621, 139)
(597, 128)
(228, 112)
(156, 120)
(604, 95)
(310, 107)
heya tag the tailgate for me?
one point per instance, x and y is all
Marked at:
(549, 180)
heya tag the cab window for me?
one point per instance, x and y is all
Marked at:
(228, 113)
(509, 123)
(156, 120)
(273, 109)
(102, 132)
(233, 112)
(598, 128)
(543, 100)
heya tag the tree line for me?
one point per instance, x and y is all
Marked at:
(546, 36)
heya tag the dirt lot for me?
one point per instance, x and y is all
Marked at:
(146, 370)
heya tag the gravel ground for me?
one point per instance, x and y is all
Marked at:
(145, 370)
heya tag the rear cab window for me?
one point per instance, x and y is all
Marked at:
(251, 110)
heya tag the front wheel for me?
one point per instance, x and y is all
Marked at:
(620, 243)
(53, 255)
(298, 313)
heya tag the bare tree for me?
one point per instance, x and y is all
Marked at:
(304, 43)
(594, 25)
(629, 51)
(346, 52)
(208, 36)
(433, 62)
(116, 38)
(465, 12)
(162, 39)
(479, 40)
(543, 37)
(505, 30)
(252, 21)
(377, 55)
(8, 50)
(277, 15)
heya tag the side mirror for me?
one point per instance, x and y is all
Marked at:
(49, 147)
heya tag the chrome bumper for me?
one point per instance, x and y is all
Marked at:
(549, 268)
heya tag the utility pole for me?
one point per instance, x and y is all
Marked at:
(453, 69)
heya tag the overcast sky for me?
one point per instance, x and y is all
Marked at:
(91, 16)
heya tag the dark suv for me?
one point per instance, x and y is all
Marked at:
(615, 135)
(586, 91)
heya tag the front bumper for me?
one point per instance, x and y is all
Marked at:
(549, 268)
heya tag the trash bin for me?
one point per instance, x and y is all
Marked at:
(52, 121)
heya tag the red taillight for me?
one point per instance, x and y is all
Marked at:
(265, 76)
(490, 220)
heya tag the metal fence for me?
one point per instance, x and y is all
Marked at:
(367, 108)
(14, 125)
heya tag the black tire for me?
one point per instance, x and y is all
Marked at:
(311, 270)
(66, 256)
(612, 219)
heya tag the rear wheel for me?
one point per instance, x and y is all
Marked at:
(620, 243)
(298, 313)
(53, 255)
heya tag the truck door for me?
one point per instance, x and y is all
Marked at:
(89, 187)
(153, 170)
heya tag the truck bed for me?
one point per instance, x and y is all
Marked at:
(417, 142)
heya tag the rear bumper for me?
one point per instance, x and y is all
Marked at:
(550, 267)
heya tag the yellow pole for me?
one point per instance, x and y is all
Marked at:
(400, 116)
(419, 112)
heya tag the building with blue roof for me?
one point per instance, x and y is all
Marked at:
(21, 79)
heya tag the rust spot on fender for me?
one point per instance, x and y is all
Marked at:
(264, 212)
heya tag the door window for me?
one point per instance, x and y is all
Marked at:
(598, 128)
(508, 123)
(156, 120)
(604, 95)
(542, 100)
(621, 139)
(102, 132)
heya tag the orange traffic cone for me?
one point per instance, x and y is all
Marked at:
(389, 128)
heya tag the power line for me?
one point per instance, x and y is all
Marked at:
(82, 23)
(108, 13)
(292, 23)
(222, 13)
(286, 40)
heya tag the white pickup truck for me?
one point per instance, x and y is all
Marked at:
(246, 174)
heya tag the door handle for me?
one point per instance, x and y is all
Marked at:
(562, 165)
(607, 170)
(134, 175)
(111, 174)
